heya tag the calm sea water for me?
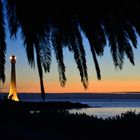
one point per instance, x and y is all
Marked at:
(108, 107)
(103, 105)
(105, 112)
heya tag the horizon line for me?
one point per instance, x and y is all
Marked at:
(121, 92)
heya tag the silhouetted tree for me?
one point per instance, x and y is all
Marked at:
(45, 26)
(2, 44)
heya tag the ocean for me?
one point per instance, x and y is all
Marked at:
(101, 105)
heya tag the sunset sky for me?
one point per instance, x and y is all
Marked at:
(113, 80)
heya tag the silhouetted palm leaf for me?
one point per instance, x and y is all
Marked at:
(58, 49)
(14, 22)
(42, 26)
(45, 53)
(120, 33)
(79, 56)
(96, 39)
(2, 44)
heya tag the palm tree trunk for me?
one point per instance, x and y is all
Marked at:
(40, 72)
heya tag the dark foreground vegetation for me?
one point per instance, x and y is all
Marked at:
(28, 121)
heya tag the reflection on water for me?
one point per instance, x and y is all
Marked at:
(105, 112)
(109, 107)
(112, 102)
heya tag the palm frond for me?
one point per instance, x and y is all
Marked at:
(79, 55)
(29, 46)
(93, 29)
(110, 32)
(45, 54)
(96, 39)
(124, 47)
(131, 31)
(95, 62)
(120, 35)
(57, 44)
(2, 44)
(12, 17)
(80, 48)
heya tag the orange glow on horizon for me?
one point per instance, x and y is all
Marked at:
(94, 87)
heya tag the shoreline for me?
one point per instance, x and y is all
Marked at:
(61, 125)
(37, 96)
(42, 105)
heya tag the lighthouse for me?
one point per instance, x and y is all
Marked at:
(13, 91)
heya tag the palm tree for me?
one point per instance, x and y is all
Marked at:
(2, 44)
(42, 32)
(44, 27)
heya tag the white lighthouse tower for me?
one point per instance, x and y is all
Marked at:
(13, 91)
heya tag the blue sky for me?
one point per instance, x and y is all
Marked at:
(28, 80)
